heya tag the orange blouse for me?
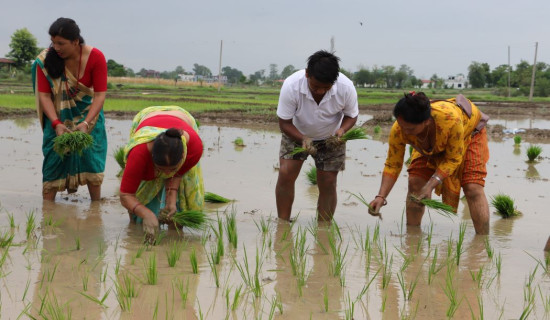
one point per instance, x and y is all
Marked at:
(453, 134)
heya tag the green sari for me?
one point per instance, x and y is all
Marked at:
(152, 193)
(72, 170)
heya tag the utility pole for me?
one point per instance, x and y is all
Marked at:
(220, 68)
(332, 44)
(508, 71)
(533, 75)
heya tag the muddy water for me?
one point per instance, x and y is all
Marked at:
(79, 254)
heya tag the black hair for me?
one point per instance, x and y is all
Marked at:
(168, 148)
(67, 29)
(323, 66)
(413, 108)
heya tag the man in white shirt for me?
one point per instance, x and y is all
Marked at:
(314, 104)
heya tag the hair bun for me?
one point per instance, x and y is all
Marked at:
(173, 133)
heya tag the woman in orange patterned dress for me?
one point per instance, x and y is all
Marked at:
(450, 153)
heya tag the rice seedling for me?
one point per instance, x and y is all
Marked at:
(51, 308)
(85, 278)
(6, 239)
(407, 259)
(386, 272)
(438, 206)
(297, 150)
(76, 141)
(529, 307)
(544, 264)
(103, 274)
(407, 290)
(193, 261)
(366, 203)
(533, 152)
(50, 273)
(239, 142)
(517, 140)
(384, 300)
(325, 298)
(236, 298)
(311, 175)
(31, 224)
(433, 268)
(139, 251)
(488, 248)
(498, 263)
(12, 220)
(429, 236)
(298, 260)
(480, 308)
(151, 272)
(231, 228)
(460, 242)
(192, 219)
(377, 129)
(77, 243)
(367, 286)
(252, 281)
(477, 276)
(215, 198)
(24, 292)
(545, 301)
(264, 225)
(211, 261)
(350, 310)
(100, 302)
(173, 254)
(450, 291)
(183, 290)
(276, 303)
(504, 205)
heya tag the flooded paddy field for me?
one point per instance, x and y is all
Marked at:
(73, 258)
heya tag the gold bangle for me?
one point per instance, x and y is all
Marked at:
(86, 123)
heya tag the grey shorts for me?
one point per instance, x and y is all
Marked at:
(326, 159)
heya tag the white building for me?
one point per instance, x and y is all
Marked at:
(456, 82)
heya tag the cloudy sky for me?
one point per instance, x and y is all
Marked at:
(430, 36)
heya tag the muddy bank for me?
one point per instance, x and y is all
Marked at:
(267, 118)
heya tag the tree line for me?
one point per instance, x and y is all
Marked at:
(24, 49)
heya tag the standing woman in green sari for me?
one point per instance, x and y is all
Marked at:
(70, 84)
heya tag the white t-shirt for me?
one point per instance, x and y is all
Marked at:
(317, 121)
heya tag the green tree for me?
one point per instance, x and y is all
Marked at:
(287, 71)
(499, 76)
(115, 69)
(233, 75)
(363, 76)
(257, 76)
(201, 70)
(478, 74)
(23, 47)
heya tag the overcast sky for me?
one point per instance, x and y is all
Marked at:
(432, 36)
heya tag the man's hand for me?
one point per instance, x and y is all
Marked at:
(339, 133)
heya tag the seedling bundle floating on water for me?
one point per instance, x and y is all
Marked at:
(505, 206)
(439, 207)
(76, 141)
(215, 198)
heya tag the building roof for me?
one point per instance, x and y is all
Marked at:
(4, 60)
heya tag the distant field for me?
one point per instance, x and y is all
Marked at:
(126, 95)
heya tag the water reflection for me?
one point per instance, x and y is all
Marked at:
(24, 123)
(517, 149)
(532, 173)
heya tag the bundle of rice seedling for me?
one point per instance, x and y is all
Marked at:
(71, 142)
(517, 140)
(438, 206)
(504, 205)
(533, 152)
(298, 150)
(377, 129)
(119, 157)
(352, 134)
(239, 142)
(192, 219)
(312, 175)
(215, 198)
